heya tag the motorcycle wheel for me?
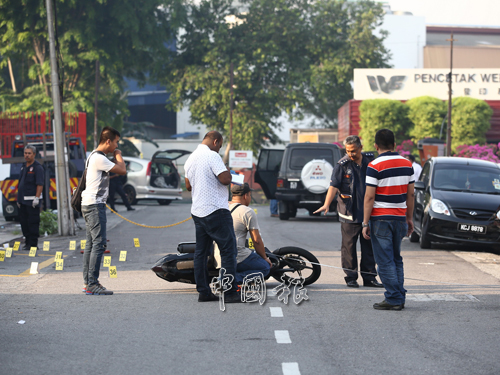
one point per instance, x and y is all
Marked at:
(295, 263)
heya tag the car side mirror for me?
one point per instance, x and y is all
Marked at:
(419, 185)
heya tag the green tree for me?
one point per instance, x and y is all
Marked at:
(427, 115)
(292, 56)
(376, 114)
(470, 120)
(127, 37)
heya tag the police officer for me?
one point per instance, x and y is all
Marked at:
(348, 179)
(29, 193)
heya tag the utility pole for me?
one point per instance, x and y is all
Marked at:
(230, 144)
(448, 130)
(63, 207)
(95, 101)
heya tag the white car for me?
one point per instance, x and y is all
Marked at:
(156, 179)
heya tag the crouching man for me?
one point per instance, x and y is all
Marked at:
(244, 221)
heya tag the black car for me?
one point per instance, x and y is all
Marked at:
(457, 200)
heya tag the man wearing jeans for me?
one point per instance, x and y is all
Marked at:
(207, 178)
(94, 206)
(388, 216)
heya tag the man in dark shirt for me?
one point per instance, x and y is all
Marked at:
(29, 192)
(348, 178)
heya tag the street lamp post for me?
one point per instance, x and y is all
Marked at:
(450, 78)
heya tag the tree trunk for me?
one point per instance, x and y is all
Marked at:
(11, 72)
(40, 59)
(225, 159)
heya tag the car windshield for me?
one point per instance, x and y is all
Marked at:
(468, 178)
(302, 156)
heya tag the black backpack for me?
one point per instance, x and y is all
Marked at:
(76, 198)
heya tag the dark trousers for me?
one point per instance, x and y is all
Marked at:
(218, 227)
(30, 224)
(350, 234)
(117, 188)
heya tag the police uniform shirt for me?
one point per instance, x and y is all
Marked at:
(350, 178)
(29, 179)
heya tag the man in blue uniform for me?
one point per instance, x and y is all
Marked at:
(29, 192)
(348, 178)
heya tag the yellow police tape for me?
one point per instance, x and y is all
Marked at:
(147, 226)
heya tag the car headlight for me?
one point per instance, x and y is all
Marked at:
(498, 215)
(439, 207)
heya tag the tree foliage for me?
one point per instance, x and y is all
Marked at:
(127, 37)
(376, 114)
(427, 114)
(470, 120)
(293, 56)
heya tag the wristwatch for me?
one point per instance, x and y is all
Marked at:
(364, 225)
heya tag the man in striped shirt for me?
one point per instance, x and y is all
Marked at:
(388, 212)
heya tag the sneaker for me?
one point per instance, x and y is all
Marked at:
(99, 290)
(234, 297)
(384, 305)
(205, 298)
(84, 289)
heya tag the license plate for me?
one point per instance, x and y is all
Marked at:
(471, 228)
(293, 185)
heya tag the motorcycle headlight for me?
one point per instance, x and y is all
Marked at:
(439, 207)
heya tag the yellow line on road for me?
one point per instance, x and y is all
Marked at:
(41, 266)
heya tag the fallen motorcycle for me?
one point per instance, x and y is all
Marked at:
(287, 262)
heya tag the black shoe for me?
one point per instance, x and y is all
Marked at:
(373, 284)
(26, 248)
(205, 298)
(234, 297)
(130, 209)
(384, 305)
(352, 284)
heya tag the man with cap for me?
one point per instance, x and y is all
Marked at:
(244, 221)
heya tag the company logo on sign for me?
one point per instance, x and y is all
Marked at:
(379, 83)
(318, 171)
(240, 154)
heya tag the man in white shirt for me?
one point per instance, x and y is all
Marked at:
(94, 206)
(417, 168)
(207, 179)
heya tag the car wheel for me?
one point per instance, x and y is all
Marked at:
(414, 237)
(164, 202)
(425, 243)
(283, 211)
(131, 194)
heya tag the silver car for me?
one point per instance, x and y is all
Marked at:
(156, 179)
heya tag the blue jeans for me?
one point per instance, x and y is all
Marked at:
(252, 264)
(218, 227)
(273, 205)
(386, 236)
(95, 224)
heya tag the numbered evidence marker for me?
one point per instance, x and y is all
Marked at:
(2, 255)
(250, 244)
(255, 210)
(16, 245)
(8, 252)
(58, 255)
(107, 261)
(123, 256)
(136, 242)
(33, 252)
(112, 272)
(59, 264)
(72, 245)
(46, 245)
(83, 243)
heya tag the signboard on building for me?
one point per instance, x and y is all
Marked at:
(240, 159)
(404, 84)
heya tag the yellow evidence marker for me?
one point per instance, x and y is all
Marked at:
(59, 264)
(16, 245)
(8, 252)
(250, 244)
(123, 256)
(255, 210)
(46, 245)
(83, 243)
(112, 272)
(72, 245)
(58, 255)
(33, 252)
(136, 242)
(107, 261)
(2, 255)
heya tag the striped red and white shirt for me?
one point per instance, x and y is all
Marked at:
(390, 174)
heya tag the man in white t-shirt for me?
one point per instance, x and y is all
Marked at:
(94, 206)
(207, 179)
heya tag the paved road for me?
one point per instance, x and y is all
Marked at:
(150, 326)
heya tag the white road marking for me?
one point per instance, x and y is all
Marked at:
(441, 297)
(282, 337)
(270, 293)
(290, 368)
(276, 312)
